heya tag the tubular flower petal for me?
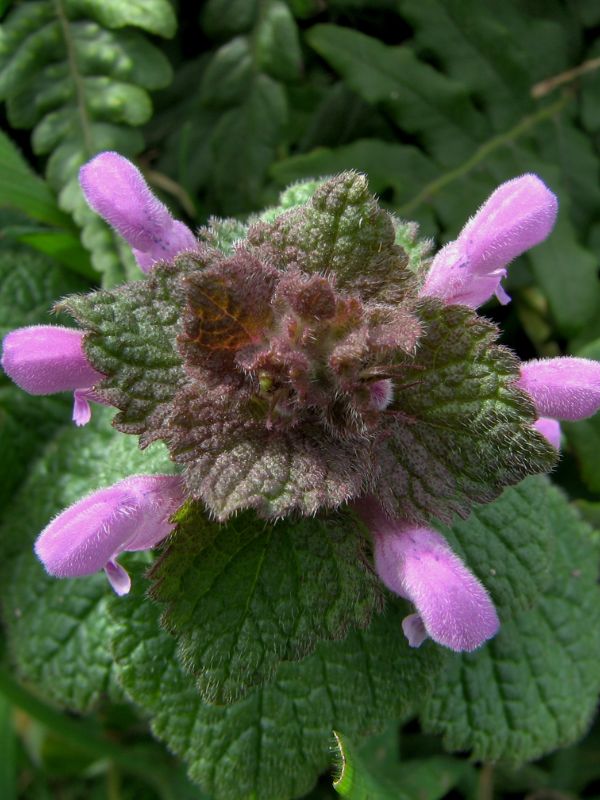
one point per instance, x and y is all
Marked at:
(415, 562)
(116, 190)
(89, 535)
(563, 388)
(44, 359)
(516, 216)
(550, 430)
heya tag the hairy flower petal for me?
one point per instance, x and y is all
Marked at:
(133, 514)
(550, 430)
(417, 563)
(116, 190)
(519, 214)
(44, 359)
(563, 388)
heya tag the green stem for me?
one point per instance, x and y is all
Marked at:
(485, 790)
(77, 78)
(82, 735)
(524, 125)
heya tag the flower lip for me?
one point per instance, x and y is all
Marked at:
(44, 359)
(562, 388)
(116, 190)
(133, 514)
(416, 563)
(519, 214)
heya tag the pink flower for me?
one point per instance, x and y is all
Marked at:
(133, 514)
(516, 216)
(562, 388)
(116, 190)
(550, 430)
(415, 562)
(44, 359)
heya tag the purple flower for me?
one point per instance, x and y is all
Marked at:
(516, 216)
(44, 359)
(550, 430)
(133, 514)
(562, 388)
(116, 190)
(415, 562)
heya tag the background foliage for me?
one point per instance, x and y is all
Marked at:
(223, 104)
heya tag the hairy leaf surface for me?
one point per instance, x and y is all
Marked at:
(274, 742)
(460, 431)
(534, 687)
(245, 596)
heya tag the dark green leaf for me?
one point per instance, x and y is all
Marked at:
(423, 101)
(245, 596)
(534, 687)
(244, 144)
(464, 431)
(273, 743)
(277, 44)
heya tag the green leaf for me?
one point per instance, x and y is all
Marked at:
(584, 439)
(341, 230)
(225, 18)
(245, 596)
(356, 781)
(244, 144)
(82, 86)
(29, 285)
(534, 687)
(567, 274)
(481, 54)
(228, 74)
(156, 16)
(275, 742)
(509, 544)
(132, 336)
(22, 189)
(9, 765)
(403, 168)
(57, 629)
(376, 771)
(64, 248)
(422, 100)
(277, 43)
(464, 431)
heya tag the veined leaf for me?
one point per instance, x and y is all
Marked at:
(245, 596)
(82, 85)
(21, 189)
(534, 687)
(274, 742)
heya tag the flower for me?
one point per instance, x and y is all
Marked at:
(519, 214)
(44, 359)
(133, 514)
(550, 430)
(415, 562)
(563, 388)
(116, 190)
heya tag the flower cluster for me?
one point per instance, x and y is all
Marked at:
(304, 367)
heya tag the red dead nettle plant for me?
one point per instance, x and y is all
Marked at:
(319, 366)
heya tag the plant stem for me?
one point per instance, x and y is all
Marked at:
(483, 152)
(86, 130)
(485, 790)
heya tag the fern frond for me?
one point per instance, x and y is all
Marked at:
(75, 72)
